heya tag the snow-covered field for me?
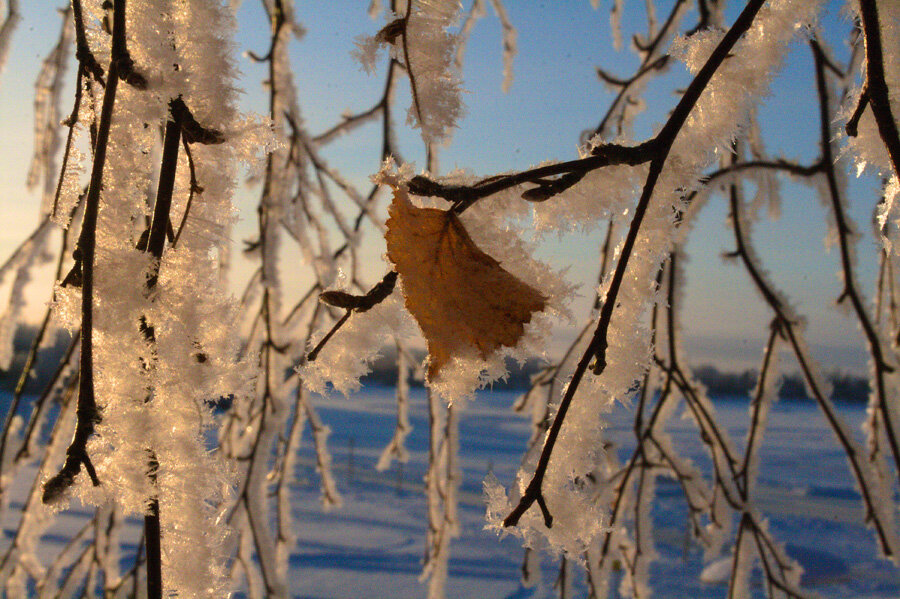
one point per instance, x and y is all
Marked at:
(373, 545)
(376, 540)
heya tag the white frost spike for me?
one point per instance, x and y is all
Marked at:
(366, 52)
(397, 447)
(31, 255)
(615, 22)
(889, 216)
(462, 38)
(330, 496)
(441, 486)
(432, 56)
(428, 51)
(6, 30)
(70, 187)
(47, 91)
(717, 572)
(510, 47)
(374, 9)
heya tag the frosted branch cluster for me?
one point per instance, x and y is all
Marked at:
(190, 410)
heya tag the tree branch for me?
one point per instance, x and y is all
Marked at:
(876, 85)
(598, 345)
(87, 413)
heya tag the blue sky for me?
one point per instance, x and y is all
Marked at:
(554, 96)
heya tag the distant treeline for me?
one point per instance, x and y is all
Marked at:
(384, 372)
(845, 387)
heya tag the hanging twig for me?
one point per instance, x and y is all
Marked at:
(156, 242)
(876, 88)
(83, 52)
(87, 413)
(353, 303)
(597, 348)
(851, 291)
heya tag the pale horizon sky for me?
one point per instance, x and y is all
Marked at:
(555, 95)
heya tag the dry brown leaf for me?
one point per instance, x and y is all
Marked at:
(463, 300)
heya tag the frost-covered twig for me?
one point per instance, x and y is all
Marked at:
(30, 360)
(396, 448)
(870, 488)
(155, 245)
(568, 173)
(252, 432)
(350, 122)
(733, 478)
(597, 348)
(876, 89)
(34, 518)
(353, 303)
(87, 412)
(66, 175)
(653, 63)
(83, 53)
(846, 234)
(441, 487)
(428, 58)
(48, 88)
(65, 375)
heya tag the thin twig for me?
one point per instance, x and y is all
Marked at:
(876, 85)
(597, 348)
(87, 413)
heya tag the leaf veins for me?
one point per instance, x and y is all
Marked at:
(462, 299)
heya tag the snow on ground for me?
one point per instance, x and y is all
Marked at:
(373, 545)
